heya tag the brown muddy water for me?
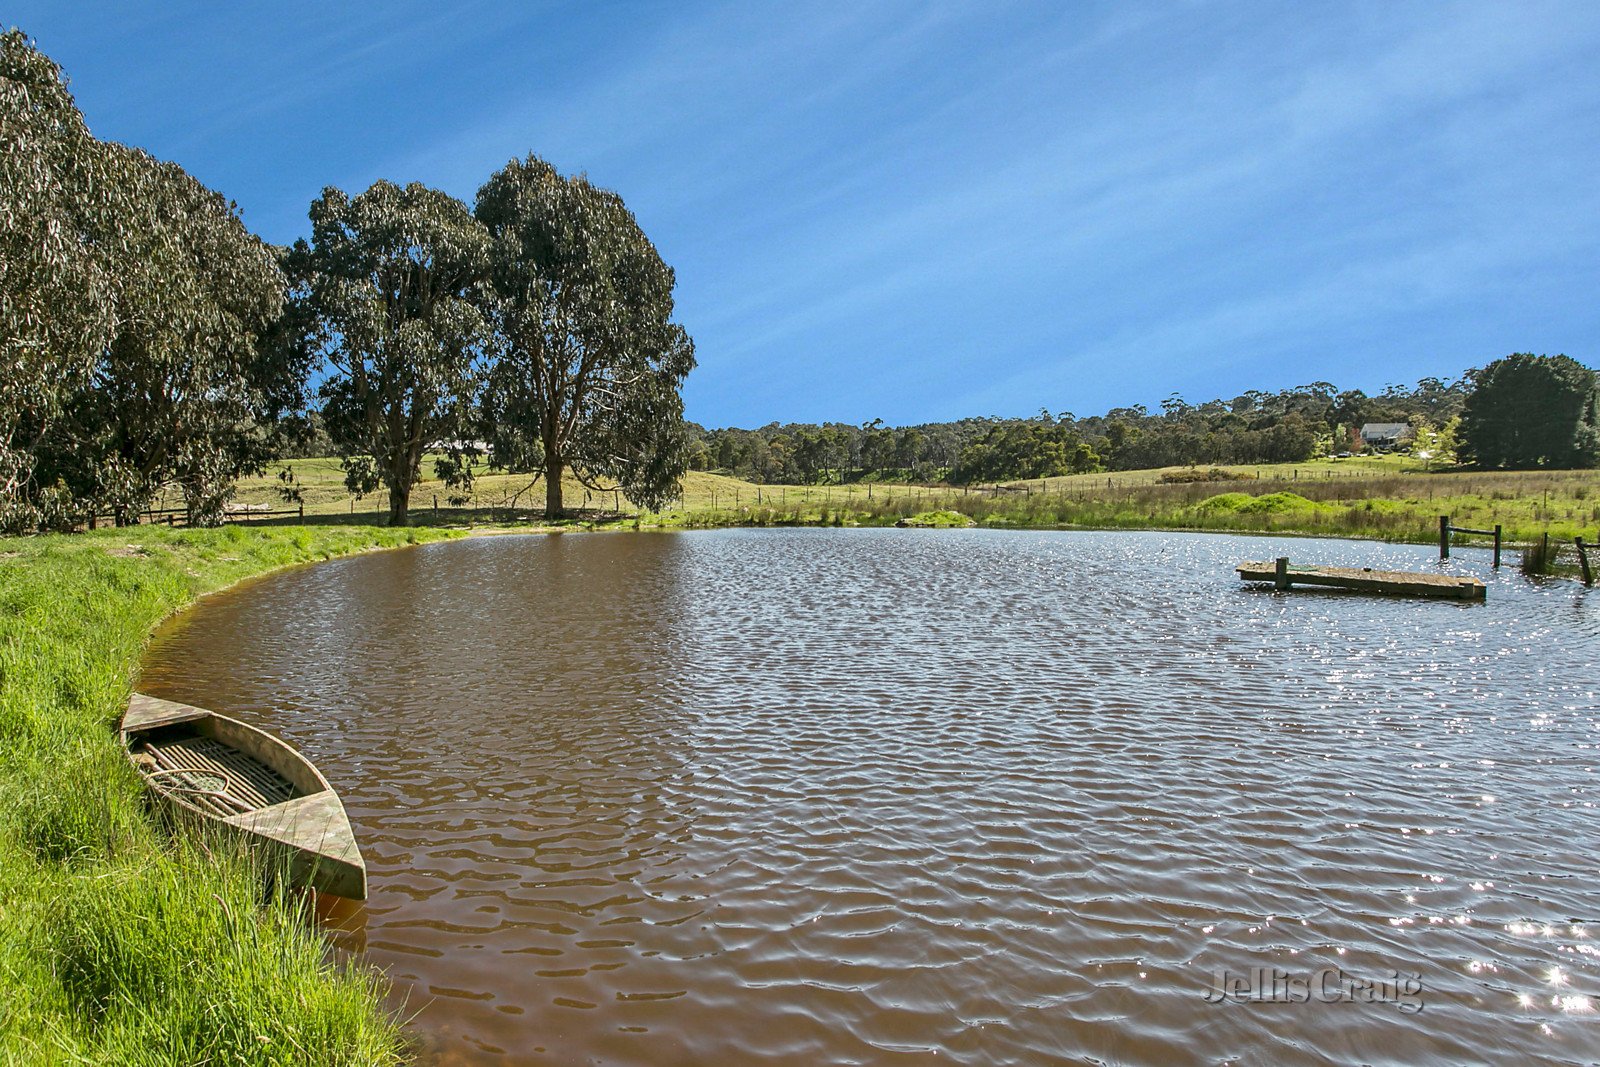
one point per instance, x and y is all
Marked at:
(880, 797)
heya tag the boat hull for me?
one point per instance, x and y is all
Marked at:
(273, 798)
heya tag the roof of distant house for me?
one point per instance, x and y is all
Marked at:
(1385, 429)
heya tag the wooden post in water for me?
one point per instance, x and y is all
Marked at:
(1497, 546)
(1583, 561)
(1280, 578)
(1444, 537)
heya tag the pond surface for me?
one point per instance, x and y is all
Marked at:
(879, 797)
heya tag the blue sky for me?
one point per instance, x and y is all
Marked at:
(921, 211)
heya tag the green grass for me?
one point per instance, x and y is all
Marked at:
(1389, 497)
(494, 499)
(1391, 504)
(936, 519)
(118, 942)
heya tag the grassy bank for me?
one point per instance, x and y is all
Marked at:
(119, 944)
(1397, 506)
(514, 498)
(1385, 497)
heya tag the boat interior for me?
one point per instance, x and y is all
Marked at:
(185, 761)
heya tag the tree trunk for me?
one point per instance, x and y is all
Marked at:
(399, 503)
(552, 491)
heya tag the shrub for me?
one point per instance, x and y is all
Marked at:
(1195, 474)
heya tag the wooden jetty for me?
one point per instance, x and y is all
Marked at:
(210, 768)
(1280, 574)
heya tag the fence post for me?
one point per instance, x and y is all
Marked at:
(1583, 561)
(1497, 546)
(1444, 537)
(1280, 576)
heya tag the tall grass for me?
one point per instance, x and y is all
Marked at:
(1540, 557)
(120, 943)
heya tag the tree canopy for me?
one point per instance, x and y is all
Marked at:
(589, 364)
(58, 195)
(1532, 411)
(184, 392)
(132, 300)
(387, 293)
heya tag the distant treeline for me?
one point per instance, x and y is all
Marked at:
(1256, 427)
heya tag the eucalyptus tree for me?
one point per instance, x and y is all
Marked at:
(386, 293)
(589, 365)
(187, 391)
(58, 192)
(1533, 411)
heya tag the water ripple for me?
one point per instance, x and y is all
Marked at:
(914, 796)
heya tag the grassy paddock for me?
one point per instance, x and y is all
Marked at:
(1394, 505)
(1387, 497)
(494, 497)
(514, 497)
(118, 943)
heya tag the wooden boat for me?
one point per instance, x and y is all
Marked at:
(207, 766)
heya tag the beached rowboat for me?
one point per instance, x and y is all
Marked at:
(229, 773)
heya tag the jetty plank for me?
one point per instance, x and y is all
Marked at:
(1364, 580)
